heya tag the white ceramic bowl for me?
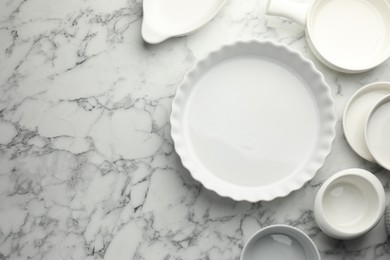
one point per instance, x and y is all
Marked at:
(253, 120)
(349, 204)
(332, 27)
(280, 242)
(377, 132)
(356, 112)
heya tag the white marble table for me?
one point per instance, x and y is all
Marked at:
(87, 164)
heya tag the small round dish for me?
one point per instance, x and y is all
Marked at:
(355, 114)
(349, 204)
(253, 121)
(377, 132)
(280, 242)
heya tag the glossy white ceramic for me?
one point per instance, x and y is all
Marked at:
(169, 18)
(253, 120)
(349, 204)
(280, 242)
(377, 132)
(350, 36)
(355, 115)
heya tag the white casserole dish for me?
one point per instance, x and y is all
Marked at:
(253, 120)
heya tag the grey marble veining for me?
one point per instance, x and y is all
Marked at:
(87, 164)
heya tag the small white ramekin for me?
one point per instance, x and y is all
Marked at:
(349, 204)
(290, 238)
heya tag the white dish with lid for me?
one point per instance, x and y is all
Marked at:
(377, 132)
(356, 112)
(253, 120)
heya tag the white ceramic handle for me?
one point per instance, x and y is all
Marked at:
(294, 11)
(150, 35)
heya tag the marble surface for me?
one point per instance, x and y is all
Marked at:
(87, 165)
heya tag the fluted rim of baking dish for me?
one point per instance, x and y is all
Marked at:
(282, 188)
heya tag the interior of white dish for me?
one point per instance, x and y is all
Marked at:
(177, 17)
(351, 204)
(356, 112)
(351, 34)
(280, 243)
(253, 120)
(378, 132)
(250, 119)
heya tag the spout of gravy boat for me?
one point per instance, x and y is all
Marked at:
(151, 35)
(151, 32)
